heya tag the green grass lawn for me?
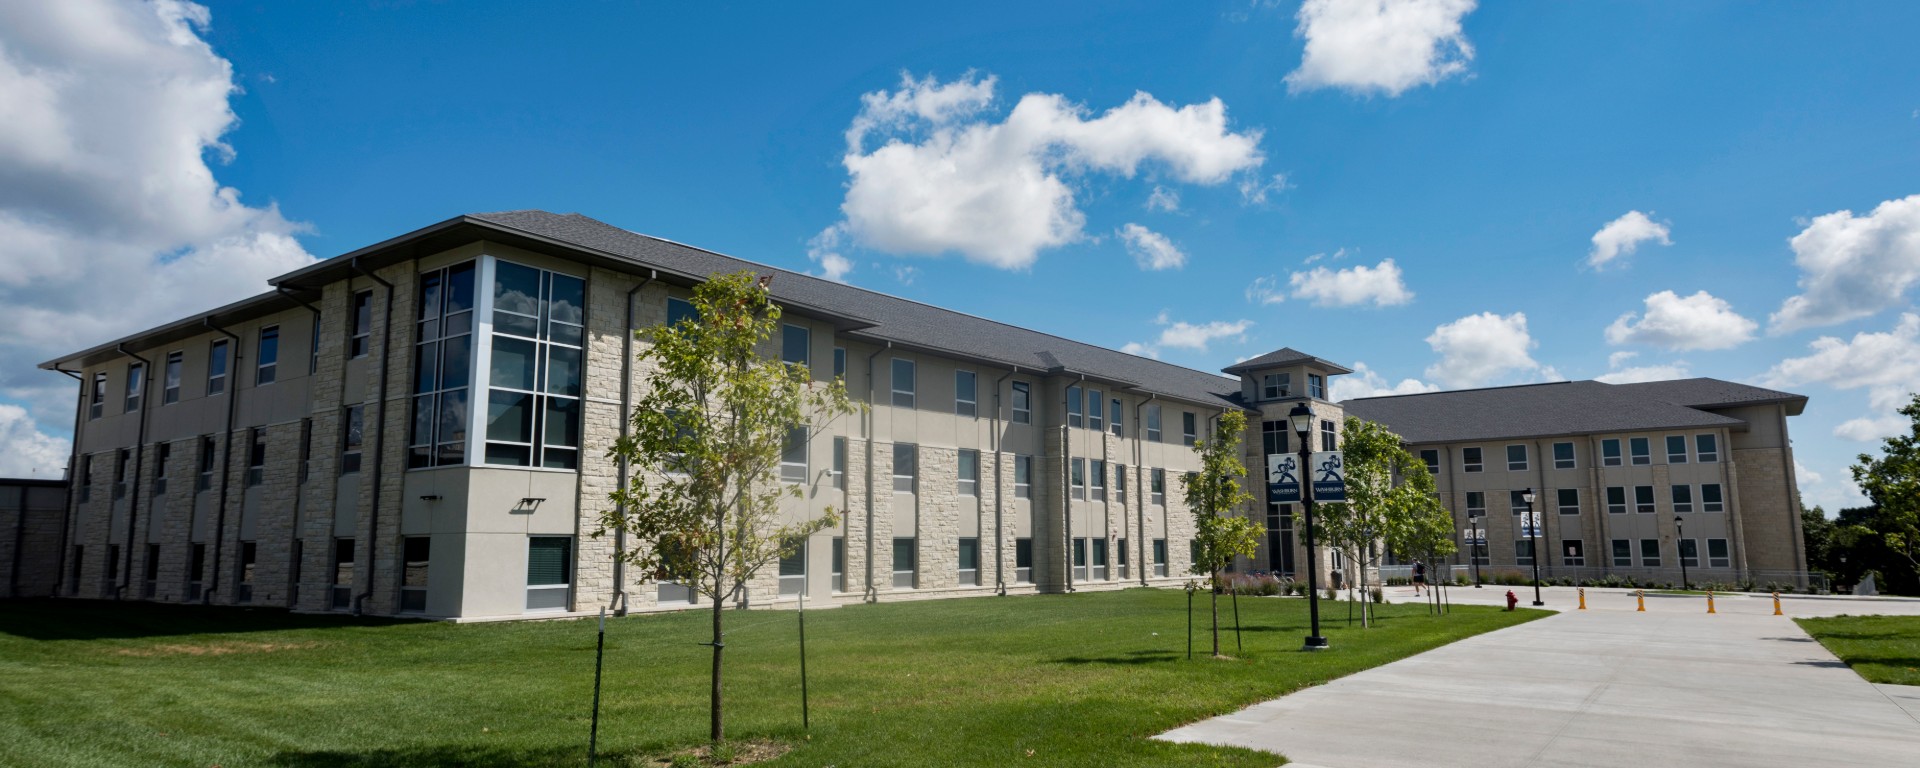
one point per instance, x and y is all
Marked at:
(1075, 679)
(1883, 649)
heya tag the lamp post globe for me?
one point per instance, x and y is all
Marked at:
(1302, 419)
(1533, 536)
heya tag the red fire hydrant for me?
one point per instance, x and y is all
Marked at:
(1511, 600)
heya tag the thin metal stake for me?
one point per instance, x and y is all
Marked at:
(1189, 624)
(1236, 622)
(599, 654)
(805, 720)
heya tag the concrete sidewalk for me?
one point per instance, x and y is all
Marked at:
(1604, 687)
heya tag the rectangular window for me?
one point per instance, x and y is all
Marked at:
(249, 556)
(1523, 552)
(113, 566)
(360, 324)
(1116, 425)
(793, 456)
(1022, 403)
(1516, 458)
(793, 567)
(1273, 437)
(266, 356)
(1470, 459)
(840, 462)
(1689, 552)
(163, 453)
(1573, 552)
(1329, 435)
(1563, 456)
(903, 563)
(1643, 499)
(966, 399)
(256, 456)
(1100, 559)
(1079, 478)
(1622, 553)
(1153, 422)
(1516, 501)
(1023, 561)
(969, 562)
(1097, 479)
(1717, 554)
(839, 564)
(1676, 449)
(796, 344)
(1159, 557)
(1079, 559)
(1710, 499)
(549, 578)
(1569, 499)
(905, 467)
(136, 379)
(1650, 553)
(1022, 477)
(122, 461)
(353, 434)
(1120, 483)
(1317, 386)
(1431, 458)
(969, 482)
(96, 405)
(903, 387)
(217, 367)
(1158, 490)
(1642, 451)
(150, 573)
(1610, 452)
(170, 384)
(1096, 418)
(1275, 386)
(681, 309)
(1706, 448)
(1682, 499)
(1074, 406)
(1476, 504)
(343, 562)
(1616, 500)
(207, 448)
(535, 375)
(86, 478)
(1189, 428)
(839, 362)
(415, 558)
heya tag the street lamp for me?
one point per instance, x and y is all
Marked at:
(1679, 550)
(1479, 536)
(1533, 535)
(1302, 418)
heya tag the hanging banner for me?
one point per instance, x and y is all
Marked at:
(1329, 476)
(1283, 478)
(1529, 525)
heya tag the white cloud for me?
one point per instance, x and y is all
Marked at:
(1700, 321)
(1366, 382)
(1265, 290)
(1163, 199)
(1254, 190)
(1886, 364)
(930, 173)
(27, 452)
(1185, 335)
(1853, 266)
(1380, 46)
(1806, 475)
(111, 219)
(1150, 249)
(1618, 372)
(1871, 430)
(1380, 285)
(1477, 349)
(906, 274)
(825, 250)
(1623, 236)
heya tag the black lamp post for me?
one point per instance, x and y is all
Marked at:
(1479, 549)
(1679, 550)
(1533, 535)
(1302, 418)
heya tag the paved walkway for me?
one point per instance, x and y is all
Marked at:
(1604, 687)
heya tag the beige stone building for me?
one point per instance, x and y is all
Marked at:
(31, 516)
(421, 427)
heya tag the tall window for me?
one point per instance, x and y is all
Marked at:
(361, 329)
(1476, 504)
(793, 456)
(120, 465)
(207, 448)
(905, 469)
(1431, 458)
(840, 462)
(1682, 499)
(1710, 499)
(1115, 418)
(1329, 437)
(549, 578)
(1274, 386)
(1153, 421)
(969, 479)
(966, 398)
(839, 565)
(256, 456)
(1569, 499)
(1622, 553)
(416, 558)
(681, 309)
(1073, 406)
(1317, 386)
(249, 557)
(1023, 561)
(1097, 479)
(1120, 483)
(1273, 437)
(969, 561)
(442, 359)
(1022, 403)
(903, 563)
(97, 404)
(1717, 554)
(1022, 477)
(1095, 417)
(266, 358)
(1706, 447)
(1100, 559)
(1676, 449)
(1574, 553)
(1078, 478)
(170, 391)
(903, 386)
(1650, 553)
(534, 385)
(1643, 499)
(1516, 458)
(1642, 451)
(793, 568)
(162, 453)
(796, 344)
(839, 365)
(1616, 500)
(1157, 486)
(136, 381)
(1610, 452)
(1563, 455)
(1159, 557)
(353, 436)
(217, 367)
(1189, 428)
(1523, 552)
(343, 562)
(1689, 552)
(1516, 501)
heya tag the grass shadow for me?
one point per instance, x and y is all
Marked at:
(69, 619)
(1130, 657)
(442, 756)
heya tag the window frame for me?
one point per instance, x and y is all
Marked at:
(1717, 504)
(460, 442)
(1650, 505)
(219, 359)
(136, 387)
(1572, 459)
(1676, 458)
(966, 406)
(1706, 448)
(170, 381)
(1475, 511)
(1525, 461)
(1623, 506)
(1077, 478)
(1276, 386)
(1640, 451)
(1560, 501)
(912, 479)
(1153, 422)
(1115, 423)
(967, 482)
(1472, 459)
(1022, 476)
(1317, 386)
(1658, 556)
(1157, 486)
(1722, 560)
(1674, 494)
(903, 398)
(1096, 480)
(1075, 414)
(1431, 458)
(360, 324)
(794, 472)
(544, 589)
(1021, 403)
(97, 404)
(1619, 546)
(1610, 453)
(266, 371)
(1096, 410)
(787, 338)
(1189, 428)
(1568, 558)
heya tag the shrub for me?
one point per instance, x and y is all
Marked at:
(1398, 581)
(1377, 596)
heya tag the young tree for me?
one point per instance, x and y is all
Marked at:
(1390, 497)
(1213, 494)
(707, 438)
(1893, 483)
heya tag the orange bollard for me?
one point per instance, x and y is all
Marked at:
(1710, 601)
(1641, 595)
(1776, 605)
(1583, 598)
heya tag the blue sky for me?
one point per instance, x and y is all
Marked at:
(1480, 149)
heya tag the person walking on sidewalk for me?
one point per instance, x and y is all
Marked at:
(1419, 577)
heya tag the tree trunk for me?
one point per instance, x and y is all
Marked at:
(717, 731)
(1366, 598)
(1216, 612)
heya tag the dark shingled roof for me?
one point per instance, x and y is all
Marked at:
(1284, 356)
(1561, 408)
(888, 318)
